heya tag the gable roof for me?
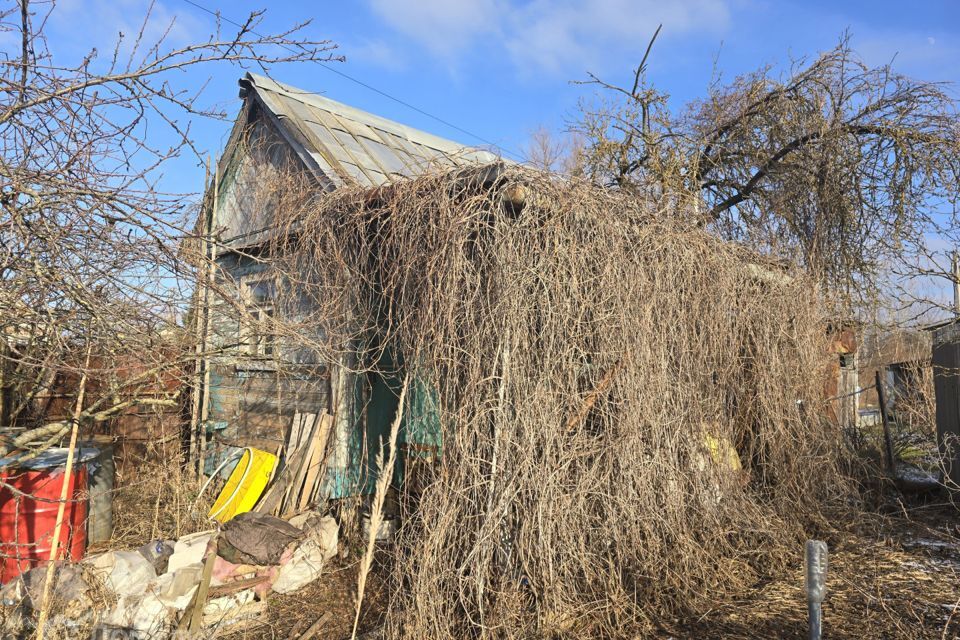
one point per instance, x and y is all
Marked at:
(350, 146)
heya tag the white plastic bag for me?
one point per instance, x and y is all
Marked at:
(126, 573)
(309, 557)
(188, 550)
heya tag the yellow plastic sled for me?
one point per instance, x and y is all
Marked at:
(245, 485)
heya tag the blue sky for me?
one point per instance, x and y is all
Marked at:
(502, 68)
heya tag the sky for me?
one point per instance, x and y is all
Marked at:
(500, 69)
(491, 72)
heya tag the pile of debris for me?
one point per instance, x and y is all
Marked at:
(215, 579)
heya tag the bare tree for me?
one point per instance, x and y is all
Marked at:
(92, 252)
(837, 165)
(559, 154)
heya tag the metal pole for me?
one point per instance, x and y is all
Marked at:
(955, 276)
(815, 584)
(815, 616)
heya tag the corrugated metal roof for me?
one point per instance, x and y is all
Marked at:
(352, 146)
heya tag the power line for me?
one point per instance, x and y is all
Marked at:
(365, 85)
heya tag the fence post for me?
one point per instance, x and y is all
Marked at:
(887, 440)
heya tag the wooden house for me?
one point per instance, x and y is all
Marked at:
(248, 400)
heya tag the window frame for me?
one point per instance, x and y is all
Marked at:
(256, 342)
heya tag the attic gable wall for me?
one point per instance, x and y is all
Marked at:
(259, 164)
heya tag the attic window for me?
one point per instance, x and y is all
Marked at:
(259, 296)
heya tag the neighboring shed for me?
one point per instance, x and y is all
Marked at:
(841, 384)
(250, 401)
(946, 379)
(896, 353)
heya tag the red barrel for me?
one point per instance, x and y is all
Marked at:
(27, 521)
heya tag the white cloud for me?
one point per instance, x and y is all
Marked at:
(444, 27)
(556, 34)
(375, 52)
(553, 36)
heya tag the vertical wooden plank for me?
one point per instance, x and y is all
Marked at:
(292, 495)
(209, 275)
(296, 432)
(193, 614)
(200, 339)
(317, 460)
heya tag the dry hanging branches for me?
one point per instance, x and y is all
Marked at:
(574, 493)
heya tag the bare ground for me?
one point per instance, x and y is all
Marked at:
(890, 576)
(288, 616)
(894, 573)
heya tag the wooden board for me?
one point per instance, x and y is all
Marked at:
(298, 470)
(317, 461)
(295, 439)
(272, 500)
(193, 614)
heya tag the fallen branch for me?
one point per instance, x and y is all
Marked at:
(315, 627)
(592, 397)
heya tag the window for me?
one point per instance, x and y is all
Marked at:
(259, 294)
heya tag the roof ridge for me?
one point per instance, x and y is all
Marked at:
(341, 109)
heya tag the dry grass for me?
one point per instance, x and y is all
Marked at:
(915, 416)
(290, 615)
(893, 577)
(581, 351)
(156, 499)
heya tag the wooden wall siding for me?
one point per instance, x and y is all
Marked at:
(252, 404)
(140, 431)
(226, 336)
(147, 434)
(260, 405)
(252, 401)
(946, 384)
